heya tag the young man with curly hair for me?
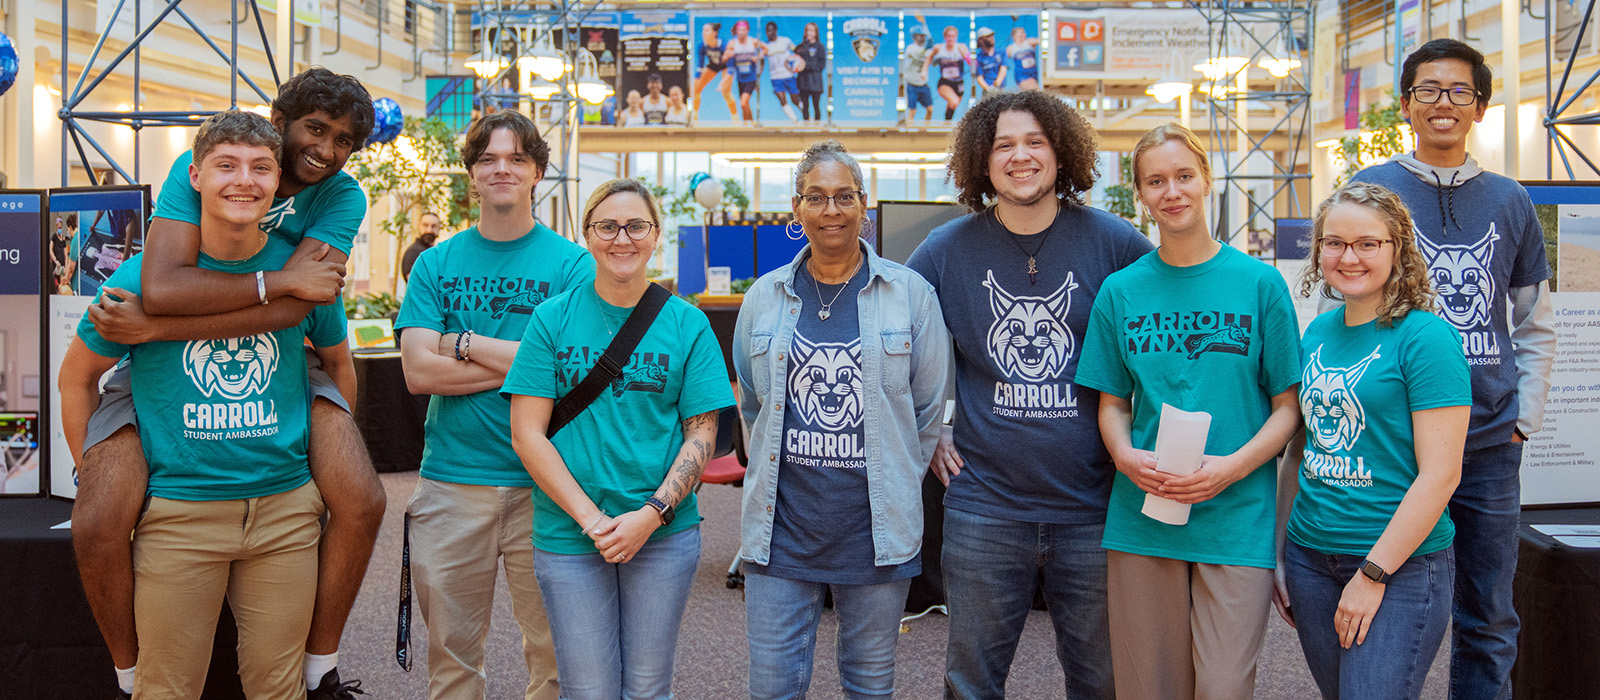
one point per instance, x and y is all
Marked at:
(1028, 477)
(315, 209)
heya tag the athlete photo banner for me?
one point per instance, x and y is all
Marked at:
(784, 67)
(865, 70)
(1016, 47)
(598, 35)
(714, 91)
(1131, 44)
(655, 59)
(952, 81)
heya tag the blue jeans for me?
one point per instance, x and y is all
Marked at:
(615, 626)
(781, 624)
(1487, 509)
(991, 569)
(1402, 640)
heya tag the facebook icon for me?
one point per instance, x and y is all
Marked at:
(1069, 57)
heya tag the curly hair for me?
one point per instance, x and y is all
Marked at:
(1069, 133)
(1408, 286)
(318, 88)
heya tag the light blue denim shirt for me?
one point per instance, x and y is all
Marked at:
(903, 398)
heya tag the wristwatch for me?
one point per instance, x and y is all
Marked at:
(1374, 572)
(665, 511)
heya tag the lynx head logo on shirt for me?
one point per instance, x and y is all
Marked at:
(1030, 340)
(1461, 276)
(825, 383)
(233, 368)
(1333, 413)
(275, 216)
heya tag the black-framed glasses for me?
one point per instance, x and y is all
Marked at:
(845, 200)
(1428, 94)
(607, 230)
(1365, 248)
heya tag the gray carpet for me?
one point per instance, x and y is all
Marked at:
(711, 650)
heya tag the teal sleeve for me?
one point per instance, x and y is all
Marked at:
(579, 272)
(339, 213)
(1435, 366)
(423, 306)
(328, 325)
(178, 200)
(125, 277)
(1101, 366)
(705, 375)
(1280, 337)
(533, 370)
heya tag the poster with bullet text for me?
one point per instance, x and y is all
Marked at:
(655, 60)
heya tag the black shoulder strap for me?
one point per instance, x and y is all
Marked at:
(612, 361)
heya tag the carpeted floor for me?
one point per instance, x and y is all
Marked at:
(711, 650)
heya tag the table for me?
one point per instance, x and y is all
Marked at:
(1557, 595)
(50, 648)
(389, 416)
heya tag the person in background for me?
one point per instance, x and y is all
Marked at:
(464, 317)
(654, 105)
(813, 55)
(825, 511)
(677, 111)
(914, 66)
(62, 263)
(633, 115)
(781, 69)
(616, 532)
(953, 59)
(1366, 570)
(1486, 257)
(1189, 603)
(1024, 56)
(744, 56)
(1028, 474)
(428, 227)
(711, 66)
(990, 64)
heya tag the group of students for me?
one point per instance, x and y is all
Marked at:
(575, 405)
(950, 61)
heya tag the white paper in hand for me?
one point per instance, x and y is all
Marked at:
(1180, 443)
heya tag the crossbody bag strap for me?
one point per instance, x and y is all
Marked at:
(612, 361)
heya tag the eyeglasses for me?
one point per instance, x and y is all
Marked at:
(1427, 94)
(1365, 248)
(606, 230)
(845, 200)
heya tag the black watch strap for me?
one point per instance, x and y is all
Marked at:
(1374, 572)
(667, 513)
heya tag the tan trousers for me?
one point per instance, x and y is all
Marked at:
(259, 552)
(1185, 631)
(460, 533)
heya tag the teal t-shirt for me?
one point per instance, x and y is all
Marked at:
(469, 282)
(1358, 391)
(621, 447)
(223, 419)
(1219, 337)
(329, 211)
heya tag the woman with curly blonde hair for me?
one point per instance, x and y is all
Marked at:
(1385, 396)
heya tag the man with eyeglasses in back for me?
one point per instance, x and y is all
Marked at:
(1486, 256)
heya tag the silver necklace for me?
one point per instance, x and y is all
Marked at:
(823, 313)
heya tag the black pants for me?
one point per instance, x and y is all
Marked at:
(810, 105)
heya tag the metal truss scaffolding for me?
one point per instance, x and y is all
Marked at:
(1267, 34)
(72, 132)
(1563, 44)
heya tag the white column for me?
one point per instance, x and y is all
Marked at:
(283, 53)
(1511, 83)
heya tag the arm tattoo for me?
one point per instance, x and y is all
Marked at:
(699, 440)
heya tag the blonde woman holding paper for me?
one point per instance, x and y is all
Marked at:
(1203, 328)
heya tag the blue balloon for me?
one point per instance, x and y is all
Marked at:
(386, 120)
(8, 64)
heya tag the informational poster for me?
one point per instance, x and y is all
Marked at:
(1126, 44)
(65, 313)
(1561, 463)
(106, 227)
(654, 70)
(598, 36)
(1410, 25)
(714, 94)
(952, 82)
(865, 68)
(784, 68)
(23, 259)
(1015, 38)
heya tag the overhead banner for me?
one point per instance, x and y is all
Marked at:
(784, 66)
(655, 60)
(1126, 44)
(952, 79)
(865, 68)
(1016, 47)
(715, 95)
(598, 35)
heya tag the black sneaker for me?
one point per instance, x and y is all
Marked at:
(123, 696)
(332, 689)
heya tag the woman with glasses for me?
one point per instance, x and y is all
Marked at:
(842, 358)
(1385, 396)
(616, 533)
(1199, 326)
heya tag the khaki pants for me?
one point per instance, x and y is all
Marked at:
(1185, 631)
(459, 533)
(259, 552)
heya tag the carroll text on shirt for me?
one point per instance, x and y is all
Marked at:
(229, 416)
(1336, 471)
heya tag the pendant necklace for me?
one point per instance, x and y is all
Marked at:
(823, 313)
(1033, 266)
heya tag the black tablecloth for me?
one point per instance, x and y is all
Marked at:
(1557, 593)
(389, 415)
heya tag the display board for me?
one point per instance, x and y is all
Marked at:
(866, 72)
(1559, 463)
(598, 35)
(29, 254)
(1129, 44)
(655, 59)
(902, 226)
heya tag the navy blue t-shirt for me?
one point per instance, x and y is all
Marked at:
(1029, 436)
(822, 528)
